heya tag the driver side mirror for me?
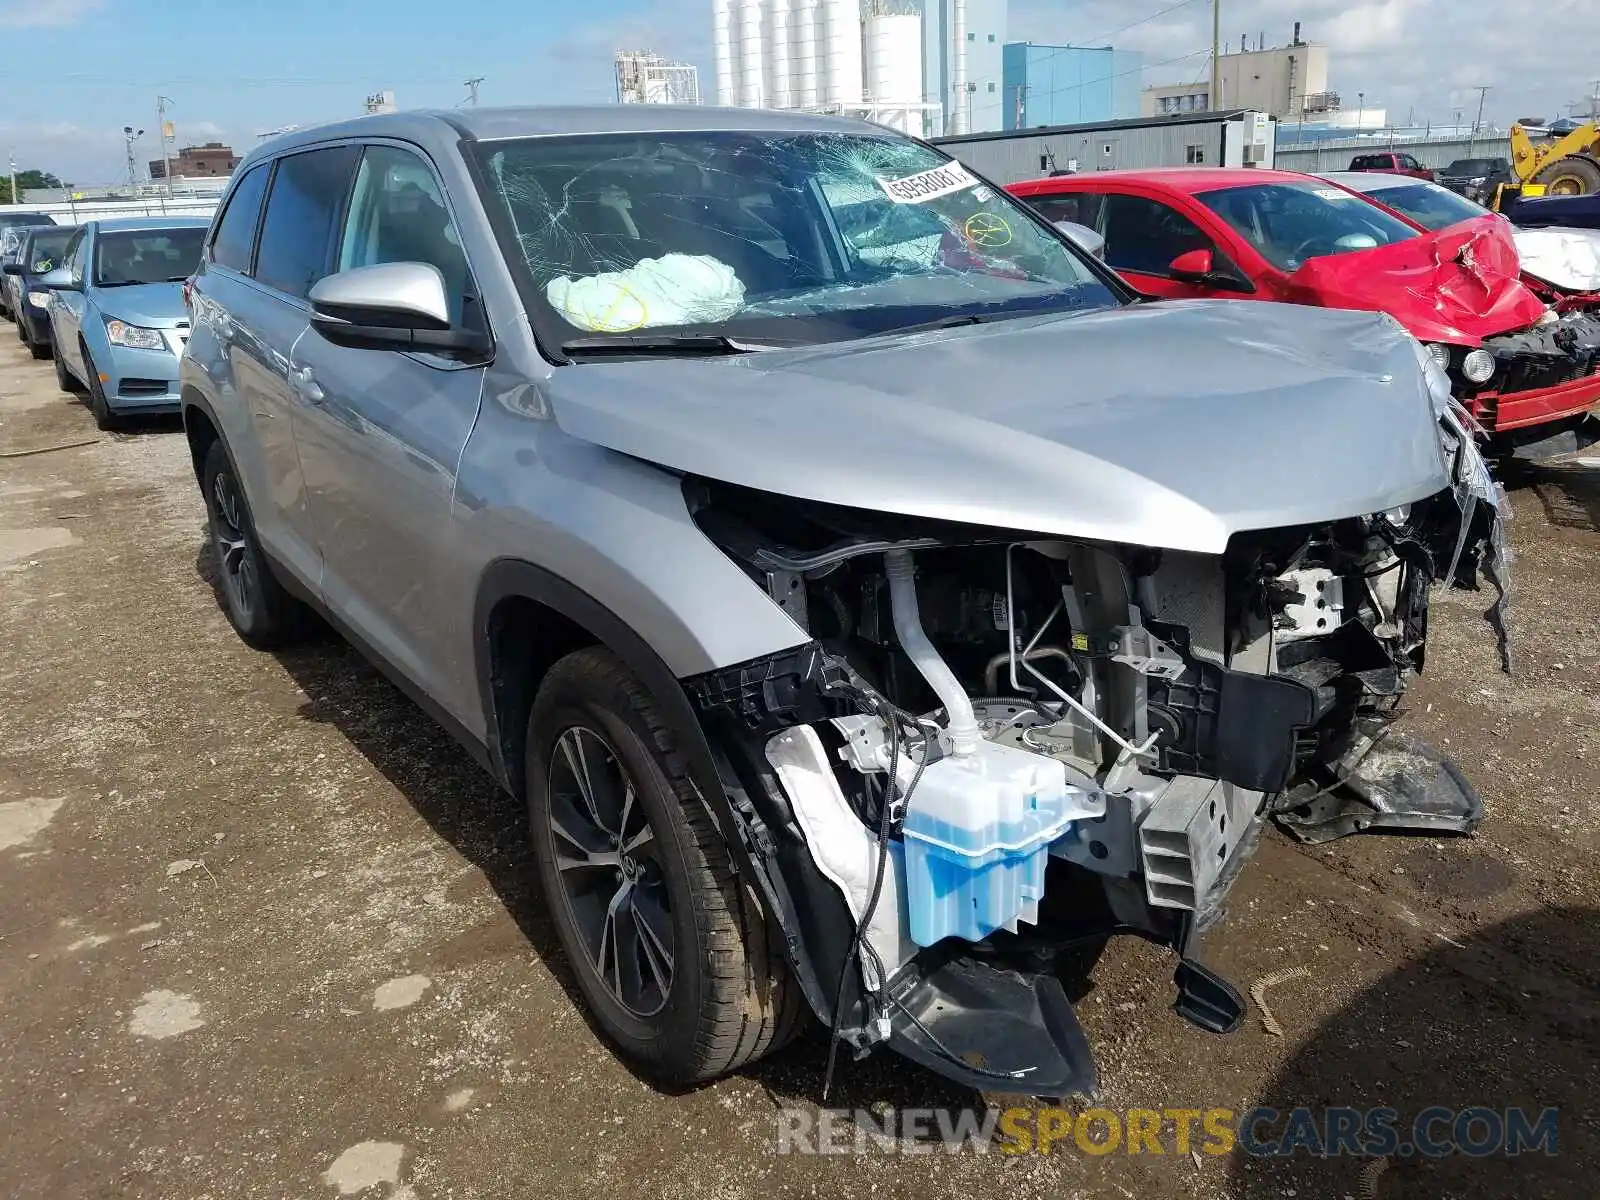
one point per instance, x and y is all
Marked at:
(59, 280)
(391, 306)
(1200, 267)
(1192, 266)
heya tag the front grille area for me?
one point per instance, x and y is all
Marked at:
(1546, 356)
(133, 386)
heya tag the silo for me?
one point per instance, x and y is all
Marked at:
(779, 84)
(726, 57)
(752, 78)
(804, 17)
(841, 58)
(894, 59)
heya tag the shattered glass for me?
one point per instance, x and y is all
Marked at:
(828, 235)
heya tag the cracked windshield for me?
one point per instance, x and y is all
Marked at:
(806, 237)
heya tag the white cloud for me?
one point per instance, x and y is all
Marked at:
(46, 14)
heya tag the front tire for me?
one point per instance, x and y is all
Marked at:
(65, 380)
(104, 417)
(255, 603)
(674, 957)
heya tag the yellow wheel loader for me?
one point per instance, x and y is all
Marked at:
(1568, 165)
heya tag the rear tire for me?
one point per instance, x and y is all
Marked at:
(257, 606)
(695, 983)
(104, 418)
(1571, 176)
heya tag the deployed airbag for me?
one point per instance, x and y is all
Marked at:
(675, 289)
(1565, 258)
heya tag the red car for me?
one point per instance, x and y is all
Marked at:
(1391, 163)
(1528, 374)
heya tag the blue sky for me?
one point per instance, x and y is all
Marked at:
(78, 70)
(86, 68)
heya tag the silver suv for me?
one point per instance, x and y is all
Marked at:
(877, 604)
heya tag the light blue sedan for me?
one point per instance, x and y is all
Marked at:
(118, 313)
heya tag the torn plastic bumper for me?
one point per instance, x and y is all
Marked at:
(1386, 781)
(992, 1029)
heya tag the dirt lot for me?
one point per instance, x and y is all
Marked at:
(265, 931)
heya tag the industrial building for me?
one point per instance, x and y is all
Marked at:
(824, 56)
(1068, 85)
(1237, 138)
(645, 77)
(962, 62)
(212, 159)
(1285, 81)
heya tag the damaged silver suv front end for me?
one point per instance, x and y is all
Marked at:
(1144, 710)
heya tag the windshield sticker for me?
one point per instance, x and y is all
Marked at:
(983, 195)
(986, 229)
(928, 185)
(1332, 194)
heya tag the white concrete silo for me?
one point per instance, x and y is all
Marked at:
(805, 17)
(780, 86)
(892, 45)
(752, 71)
(724, 52)
(840, 68)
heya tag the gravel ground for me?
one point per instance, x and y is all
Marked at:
(265, 931)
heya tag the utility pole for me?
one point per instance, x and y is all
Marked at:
(1216, 61)
(1472, 138)
(164, 131)
(15, 199)
(472, 90)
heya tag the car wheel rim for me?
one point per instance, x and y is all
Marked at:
(227, 530)
(608, 860)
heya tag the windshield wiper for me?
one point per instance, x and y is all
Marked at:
(669, 343)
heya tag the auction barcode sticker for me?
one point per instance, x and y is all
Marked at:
(928, 185)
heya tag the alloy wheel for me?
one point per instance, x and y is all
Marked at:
(607, 858)
(233, 558)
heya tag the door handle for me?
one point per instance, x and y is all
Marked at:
(305, 385)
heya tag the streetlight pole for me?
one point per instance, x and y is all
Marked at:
(1361, 112)
(166, 149)
(129, 137)
(1216, 61)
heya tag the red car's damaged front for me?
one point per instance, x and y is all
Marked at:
(1516, 360)
(1524, 362)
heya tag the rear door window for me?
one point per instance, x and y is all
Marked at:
(1082, 208)
(302, 219)
(236, 231)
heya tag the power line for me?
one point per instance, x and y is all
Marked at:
(1101, 41)
(1103, 79)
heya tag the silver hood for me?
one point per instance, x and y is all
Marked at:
(1173, 424)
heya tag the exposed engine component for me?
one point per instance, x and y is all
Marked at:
(984, 722)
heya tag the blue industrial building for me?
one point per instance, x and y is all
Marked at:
(1068, 85)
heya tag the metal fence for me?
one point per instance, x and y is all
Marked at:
(1335, 154)
(71, 212)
